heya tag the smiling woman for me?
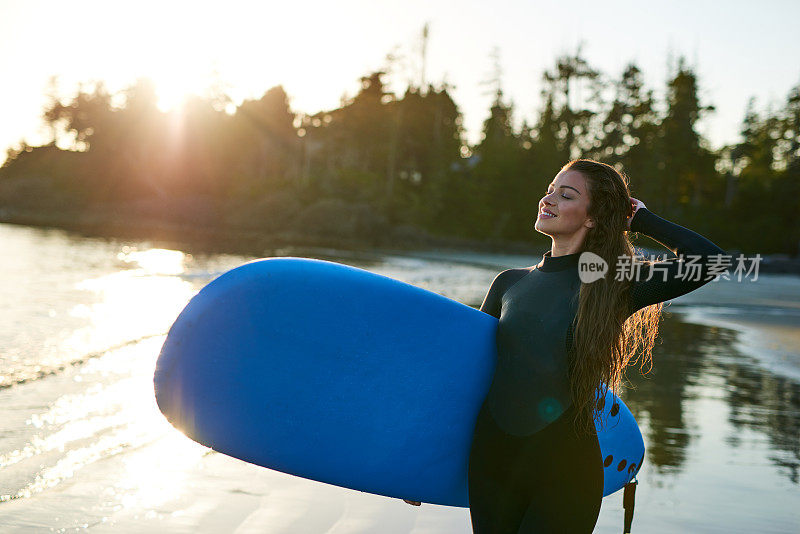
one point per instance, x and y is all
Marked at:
(536, 465)
(563, 212)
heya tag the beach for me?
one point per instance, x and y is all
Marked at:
(84, 448)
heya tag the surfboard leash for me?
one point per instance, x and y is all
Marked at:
(628, 502)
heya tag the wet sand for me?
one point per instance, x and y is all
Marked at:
(84, 448)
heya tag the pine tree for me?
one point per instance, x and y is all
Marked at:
(686, 161)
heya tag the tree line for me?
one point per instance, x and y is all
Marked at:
(383, 165)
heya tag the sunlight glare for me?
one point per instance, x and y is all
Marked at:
(156, 260)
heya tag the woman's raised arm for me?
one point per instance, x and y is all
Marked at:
(672, 278)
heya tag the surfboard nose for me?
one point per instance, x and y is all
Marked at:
(168, 386)
(163, 386)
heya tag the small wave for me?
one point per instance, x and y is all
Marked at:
(732, 308)
(201, 275)
(76, 459)
(22, 378)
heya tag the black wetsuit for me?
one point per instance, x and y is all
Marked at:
(528, 470)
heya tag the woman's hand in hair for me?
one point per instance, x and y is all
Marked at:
(635, 205)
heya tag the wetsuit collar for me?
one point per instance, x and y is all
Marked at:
(559, 263)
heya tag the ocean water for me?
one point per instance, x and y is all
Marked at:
(83, 446)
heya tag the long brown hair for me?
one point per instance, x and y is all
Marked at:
(606, 340)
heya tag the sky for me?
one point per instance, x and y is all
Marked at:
(318, 49)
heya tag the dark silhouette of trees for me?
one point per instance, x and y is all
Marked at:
(689, 165)
(631, 135)
(383, 166)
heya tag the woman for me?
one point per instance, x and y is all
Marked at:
(535, 463)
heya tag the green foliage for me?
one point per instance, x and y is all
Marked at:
(342, 220)
(498, 183)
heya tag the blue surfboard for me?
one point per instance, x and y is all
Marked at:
(340, 375)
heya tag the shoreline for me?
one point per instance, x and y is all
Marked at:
(714, 443)
(243, 241)
(405, 240)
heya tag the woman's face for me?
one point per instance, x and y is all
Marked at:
(567, 197)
